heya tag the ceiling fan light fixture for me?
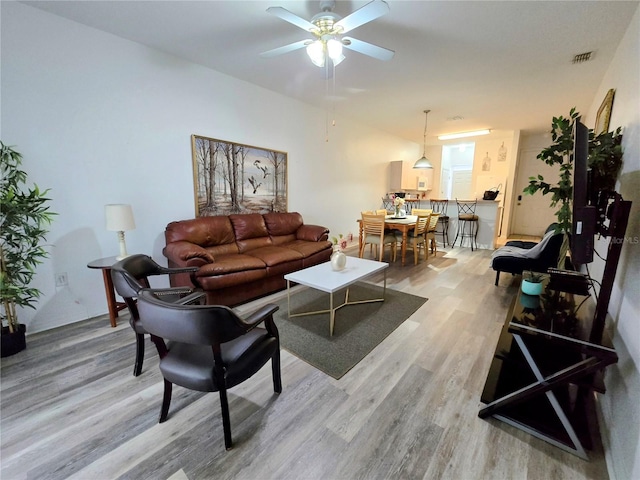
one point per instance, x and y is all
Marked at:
(316, 52)
(424, 162)
(334, 48)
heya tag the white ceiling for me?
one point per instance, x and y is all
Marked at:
(503, 65)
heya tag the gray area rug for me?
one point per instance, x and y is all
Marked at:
(358, 328)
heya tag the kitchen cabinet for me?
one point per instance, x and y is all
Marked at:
(402, 176)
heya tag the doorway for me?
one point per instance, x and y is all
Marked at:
(457, 169)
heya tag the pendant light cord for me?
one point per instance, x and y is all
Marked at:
(424, 142)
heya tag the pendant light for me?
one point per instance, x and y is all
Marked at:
(423, 162)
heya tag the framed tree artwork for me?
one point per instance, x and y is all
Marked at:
(235, 178)
(604, 114)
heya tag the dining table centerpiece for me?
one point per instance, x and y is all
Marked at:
(398, 203)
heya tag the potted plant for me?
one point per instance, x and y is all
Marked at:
(605, 161)
(531, 283)
(24, 217)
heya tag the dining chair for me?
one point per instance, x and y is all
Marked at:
(374, 233)
(431, 232)
(440, 206)
(416, 238)
(422, 211)
(130, 275)
(209, 348)
(381, 212)
(467, 222)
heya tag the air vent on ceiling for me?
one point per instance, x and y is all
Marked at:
(582, 57)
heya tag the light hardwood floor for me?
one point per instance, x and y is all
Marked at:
(70, 407)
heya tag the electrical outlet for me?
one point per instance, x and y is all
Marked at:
(61, 279)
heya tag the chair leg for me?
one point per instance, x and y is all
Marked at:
(457, 233)
(137, 367)
(166, 400)
(275, 369)
(497, 277)
(475, 237)
(226, 421)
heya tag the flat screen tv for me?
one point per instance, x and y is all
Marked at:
(583, 215)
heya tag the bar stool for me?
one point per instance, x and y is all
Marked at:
(440, 206)
(467, 222)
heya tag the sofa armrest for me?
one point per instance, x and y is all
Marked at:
(312, 233)
(187, 254)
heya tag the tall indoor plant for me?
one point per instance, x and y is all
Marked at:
(24, 218)
(605, 161)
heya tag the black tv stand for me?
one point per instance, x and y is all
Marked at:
(545, 366)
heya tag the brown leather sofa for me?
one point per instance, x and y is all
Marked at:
(241, 257)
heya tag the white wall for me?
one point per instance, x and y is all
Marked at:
(102, 120)
(621, 405)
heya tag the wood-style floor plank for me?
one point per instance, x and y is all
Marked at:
(70, 407)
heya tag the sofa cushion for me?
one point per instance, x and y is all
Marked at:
(250, 231)
(279, 224)
(273, 255)
(231, 263)
(203, 231)
(309, 248)
(235, 279)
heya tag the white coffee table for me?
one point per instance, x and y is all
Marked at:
(322, 277)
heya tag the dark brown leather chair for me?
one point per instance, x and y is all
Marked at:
(131, 275)
(209, 348)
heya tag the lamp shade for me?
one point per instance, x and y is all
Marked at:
(119, 217)
(422, 163)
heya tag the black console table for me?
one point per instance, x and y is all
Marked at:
(545, 366)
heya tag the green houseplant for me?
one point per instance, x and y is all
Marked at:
(605, 161)
(531, 283)
(24, 218)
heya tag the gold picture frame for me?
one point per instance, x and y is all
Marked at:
(231, 177)
(604, 114)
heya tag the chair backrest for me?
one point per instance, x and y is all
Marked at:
(129, 275)
(421, 225)
(194, 324)
(466, 207)
(433, 222)
(421, 211)
(439, 206)
(381, 212)
(373, 225)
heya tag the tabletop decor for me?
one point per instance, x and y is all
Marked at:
(398, 203)
(338, 258)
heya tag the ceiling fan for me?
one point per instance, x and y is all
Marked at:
(328, 29)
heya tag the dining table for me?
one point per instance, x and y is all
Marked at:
(404, 224)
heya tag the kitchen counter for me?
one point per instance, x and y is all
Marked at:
(489, 215)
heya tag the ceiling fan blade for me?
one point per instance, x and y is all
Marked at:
(367, 48)
(285, 49)
(287, 16)
(369, 12)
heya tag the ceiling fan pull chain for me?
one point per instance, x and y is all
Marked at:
(333, 96)
(326, 101)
